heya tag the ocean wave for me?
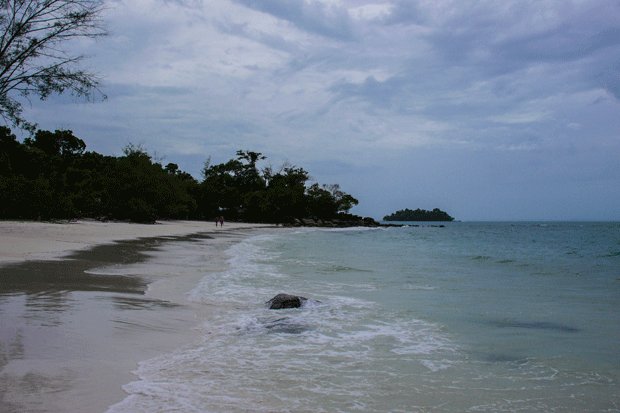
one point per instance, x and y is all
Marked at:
(368, 341)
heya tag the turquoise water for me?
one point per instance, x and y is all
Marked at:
(471, 317)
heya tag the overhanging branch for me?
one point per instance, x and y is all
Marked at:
(32, 57)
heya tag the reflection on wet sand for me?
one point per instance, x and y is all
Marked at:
(49, 277)
(61, 319)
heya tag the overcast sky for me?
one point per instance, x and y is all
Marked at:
(490, 110)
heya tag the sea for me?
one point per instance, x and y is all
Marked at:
(423, 317)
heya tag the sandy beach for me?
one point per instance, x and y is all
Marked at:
(22, 240)
(83, 303)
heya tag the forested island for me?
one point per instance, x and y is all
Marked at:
(419, 215)
(51, 176)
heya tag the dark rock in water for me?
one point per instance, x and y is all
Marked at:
(281, 301)
(341, 220)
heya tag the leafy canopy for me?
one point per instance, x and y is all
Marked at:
(51, 175)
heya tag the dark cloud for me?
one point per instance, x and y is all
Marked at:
(493, 40)
(273, 41)
(119, 91)
(314, 17)
(503, 47)
(405, 12)
(383, 93)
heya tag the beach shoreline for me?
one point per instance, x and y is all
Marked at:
(83, 303)
(34, 240)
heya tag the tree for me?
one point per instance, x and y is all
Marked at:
(328, 201)
(344, 202)
(286, 194)
(33, 60)
(9, 146)
(321, 203)
(60, 142)
(248, 177)
(250, 157)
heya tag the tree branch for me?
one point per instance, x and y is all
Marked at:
(32, 59)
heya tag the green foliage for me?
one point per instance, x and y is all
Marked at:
(418, 215)
(60, 143)
(327, 201)
(51, 175)
(238, 189)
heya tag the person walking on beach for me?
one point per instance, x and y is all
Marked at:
(221, 221)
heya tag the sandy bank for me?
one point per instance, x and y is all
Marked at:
(73, 330)
(21, 241)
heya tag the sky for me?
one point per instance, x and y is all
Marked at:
(489, 110)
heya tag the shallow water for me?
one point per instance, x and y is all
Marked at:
(469, 317)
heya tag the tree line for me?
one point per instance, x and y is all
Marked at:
(51, 176)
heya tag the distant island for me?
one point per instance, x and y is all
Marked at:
(419, 215)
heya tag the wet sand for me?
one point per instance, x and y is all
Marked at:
(27, 240)
(73, 329)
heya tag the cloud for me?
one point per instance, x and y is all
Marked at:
(321, 18)
(369, 86)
